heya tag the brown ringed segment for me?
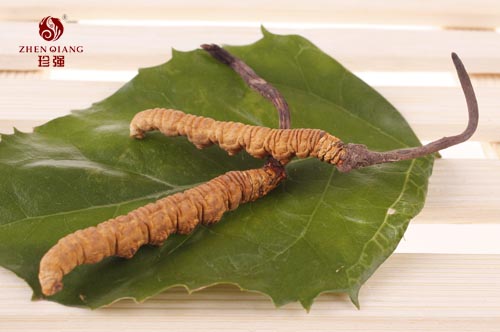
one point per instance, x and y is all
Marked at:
(152, 224)
(259, 142)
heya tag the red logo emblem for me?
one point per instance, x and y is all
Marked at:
(51, 28)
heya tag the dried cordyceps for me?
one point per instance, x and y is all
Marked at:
(180, 213)
(153, 223)
(284, 144)
(260, 142)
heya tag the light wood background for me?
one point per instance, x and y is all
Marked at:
(454, 288)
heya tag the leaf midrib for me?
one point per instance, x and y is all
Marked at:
(154, 195)
(384, 222)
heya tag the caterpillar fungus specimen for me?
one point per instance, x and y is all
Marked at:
(179, 213)
(205, 204)
(153, 223)
(283, 144)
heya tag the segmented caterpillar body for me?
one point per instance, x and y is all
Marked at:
(153, 223)
(282, 144)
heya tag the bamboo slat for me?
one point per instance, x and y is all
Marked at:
(131, 47)
(410, 292)
(480, 14)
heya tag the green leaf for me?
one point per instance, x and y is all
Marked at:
(320, 231)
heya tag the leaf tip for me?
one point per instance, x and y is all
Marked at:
(307, 304)
(354, 296)
(174, 52)
(36, 296)
(265, 32)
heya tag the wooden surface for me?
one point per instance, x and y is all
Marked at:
(422, 291)
(410, 292)
(356, 48)
(461, 13)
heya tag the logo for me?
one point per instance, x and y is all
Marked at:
(51, 55)
(51, 28)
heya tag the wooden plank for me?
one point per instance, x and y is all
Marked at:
(486, 79)
(111, 48)
(491, 149)
(496, 147)
(432, 111)
(23, 74)
(25, 103)
(484, 13)
(410, 292)
(463, 192)
(442, 238)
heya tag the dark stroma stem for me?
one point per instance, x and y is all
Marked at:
(358, 155)
(254, 81)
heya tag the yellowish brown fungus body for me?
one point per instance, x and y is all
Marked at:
(259, 142)
(152, 224)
